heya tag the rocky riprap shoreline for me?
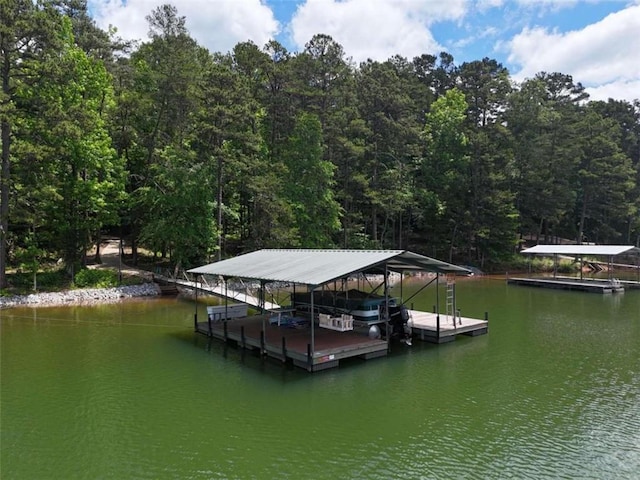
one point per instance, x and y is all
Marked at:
(82, 296)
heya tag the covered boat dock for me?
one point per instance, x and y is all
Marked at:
(314, 337)
(610, 284)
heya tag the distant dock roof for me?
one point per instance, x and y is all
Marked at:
(609, 250)
(317, 267)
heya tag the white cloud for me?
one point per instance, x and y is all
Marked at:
(620, 90)
(215, 24)
(603, 54)
(375, 29)
(483, 5)
(550, 4)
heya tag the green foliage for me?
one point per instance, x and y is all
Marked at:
(309, 185)
(96, 278)
(78, 180)
(443, 180)
(48, 280)
(517, 263)
(182, 219)
(196, 154)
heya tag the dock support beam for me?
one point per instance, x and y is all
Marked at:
(262, 350)
(195, 314)
(386, 306)
(284, 350)
(438, 307)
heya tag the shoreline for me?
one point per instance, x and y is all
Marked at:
(85, 296)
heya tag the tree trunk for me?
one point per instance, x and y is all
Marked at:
(219, 207)
(97, 258)
(583, 214)
(5, 173)
(374, 224)
(453, 237)
(4, 201)
(134, 249)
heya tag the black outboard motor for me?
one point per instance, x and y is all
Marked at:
(398, 319)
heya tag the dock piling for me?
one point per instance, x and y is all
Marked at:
(284, 350)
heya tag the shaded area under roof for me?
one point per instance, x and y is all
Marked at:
(317, 267)
(610, 250)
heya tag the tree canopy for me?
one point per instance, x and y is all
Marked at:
(202, 155)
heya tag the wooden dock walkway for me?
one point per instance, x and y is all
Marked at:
(567, 283)
(219, 291)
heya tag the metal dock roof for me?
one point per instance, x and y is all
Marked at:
(609, 250)
(317, 267)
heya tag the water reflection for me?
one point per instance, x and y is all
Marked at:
(129, 391)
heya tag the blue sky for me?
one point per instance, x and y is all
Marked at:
(595, 41)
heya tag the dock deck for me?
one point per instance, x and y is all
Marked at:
(567, 283)
(285, 343)
(289, 344)
(424, 325)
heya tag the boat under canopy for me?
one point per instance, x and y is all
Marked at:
(363, 306)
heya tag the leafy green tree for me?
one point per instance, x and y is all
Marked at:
(627, 116)
(28, 34)
(166, 81)
(277, 98)
(266, 215)
(444, 177)
(543, 117)
(391, 147)
(227, 139)
(322, 83)
(83, 174)
(183, 219)
(309, 186)
(493, 217)
(605, 180)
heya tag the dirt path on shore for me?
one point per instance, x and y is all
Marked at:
(110, 257)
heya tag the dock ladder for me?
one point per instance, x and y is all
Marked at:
(451, 298)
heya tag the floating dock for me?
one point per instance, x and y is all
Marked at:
(322, 335)
(291, 344)
(578, 254)
(439, 328)
(566, 283)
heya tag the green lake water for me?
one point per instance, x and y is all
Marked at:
(129, 391)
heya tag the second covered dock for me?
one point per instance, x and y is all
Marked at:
(610, 284)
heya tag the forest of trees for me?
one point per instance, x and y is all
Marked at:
(202, 155)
